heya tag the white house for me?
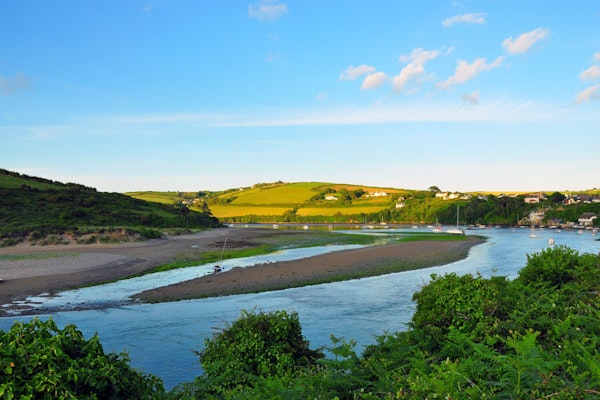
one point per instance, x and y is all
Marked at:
(587, 219)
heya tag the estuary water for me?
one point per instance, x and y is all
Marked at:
(160, 338)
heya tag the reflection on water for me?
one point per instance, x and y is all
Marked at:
(160, 338)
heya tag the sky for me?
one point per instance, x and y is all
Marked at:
(182, 95)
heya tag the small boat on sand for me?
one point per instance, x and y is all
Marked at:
(218, 267)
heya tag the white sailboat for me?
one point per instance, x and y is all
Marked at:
(456, 231)
(218, 267)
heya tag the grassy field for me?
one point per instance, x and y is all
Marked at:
(278, 198)
(349, 210)
(291, 193)
(227, 211)
(162, 197)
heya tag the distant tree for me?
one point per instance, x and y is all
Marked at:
(556, 198)
(434, 189)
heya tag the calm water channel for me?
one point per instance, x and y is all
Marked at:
(160, 338)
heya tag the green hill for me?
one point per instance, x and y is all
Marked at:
(34, 208)
(292, 202)
(321, 202)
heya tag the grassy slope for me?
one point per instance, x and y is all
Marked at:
(30, 204)
(276, 199)
(270, 202)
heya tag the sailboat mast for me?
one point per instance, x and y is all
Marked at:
(223, 249)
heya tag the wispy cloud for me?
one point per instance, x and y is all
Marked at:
(13, 85)
(465, 72)
(398, 113)
(267, 10)
(161, 125)
(352, 72)
(414, 69)
(471, 98)
(591, 73)
(524, 42)
(471, 18)
(591, 93)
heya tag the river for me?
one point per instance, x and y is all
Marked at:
(160, 338)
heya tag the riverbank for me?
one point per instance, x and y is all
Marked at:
(31, 270)
(330, 267)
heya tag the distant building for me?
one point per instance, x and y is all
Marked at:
(452, 196)
(536, 217)
(331, 198)
(587, 219)
(534, 198)
(377, 194)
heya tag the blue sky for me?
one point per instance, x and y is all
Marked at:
(495, 95)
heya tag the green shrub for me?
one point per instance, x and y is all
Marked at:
(256, 345)
(553, 266)
(466, 304)
(40, 361)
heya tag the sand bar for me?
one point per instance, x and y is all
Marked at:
(30, 270)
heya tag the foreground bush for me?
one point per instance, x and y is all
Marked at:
(40, 361)
(256, 345)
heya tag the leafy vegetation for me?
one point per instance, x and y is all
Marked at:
(37, 208)
(257, 345)
(536, 337)
(40, 361)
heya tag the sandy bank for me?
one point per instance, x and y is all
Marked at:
(30, 270)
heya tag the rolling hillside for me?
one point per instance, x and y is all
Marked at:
(321, 202)
(307, 201)
(37, 207)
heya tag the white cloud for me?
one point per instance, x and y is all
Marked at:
(597, 56)
(465, 71)
(373, 81)
(352, 72)
(472, 18)
(472, 98)
(591, 73)
(524, 42)
(414, 70)
(591, 93)
(419, 56)
(13, 85)
(267, 10)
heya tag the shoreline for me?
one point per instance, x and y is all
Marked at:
(325, 268)
(29, 270)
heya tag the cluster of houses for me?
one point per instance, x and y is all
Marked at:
(453, 196)
(569, 199)
(584, 221)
